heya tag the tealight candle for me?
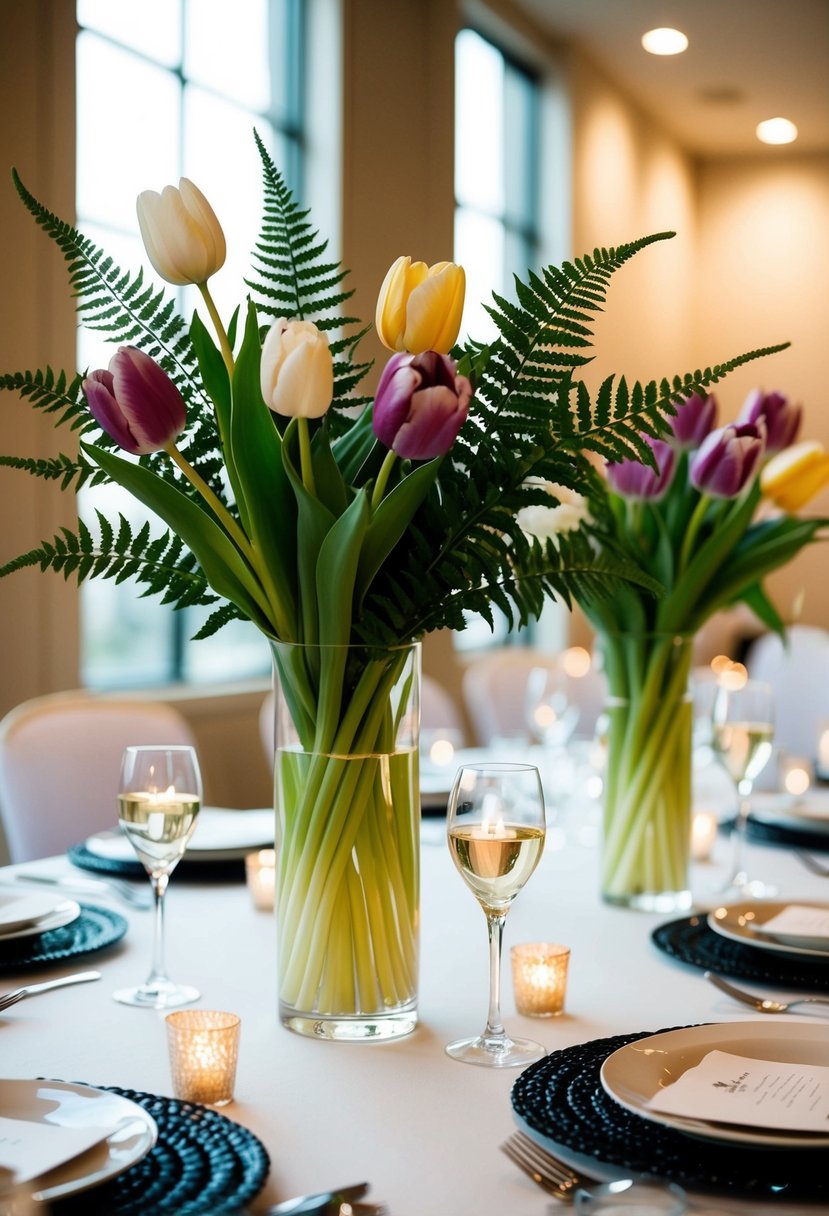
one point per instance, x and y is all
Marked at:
(704, 826)
(539, 978)
(796, 775)
(204, 1047)
(260, 870)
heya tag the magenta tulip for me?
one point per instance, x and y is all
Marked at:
(638, 481)
(421, 404)
(135, 402)
(728, 459)
(694, 419)
(781, 417)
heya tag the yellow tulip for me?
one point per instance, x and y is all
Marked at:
(795, 475)
(297, 370)
(183, 238)
(419, 307)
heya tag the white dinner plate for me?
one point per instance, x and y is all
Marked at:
(20, 911)
(808, 813)
(130, 1131)
(219, 835)
(634, 1074)
(734, 920)
(66, 910)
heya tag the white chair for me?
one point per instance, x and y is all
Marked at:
(799, 673)
(60, 759)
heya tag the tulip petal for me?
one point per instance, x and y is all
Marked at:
(394, 395)
(432, 425)
(104, 409)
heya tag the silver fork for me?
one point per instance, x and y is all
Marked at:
(17, 994)
(92, 886)
(547, 1171)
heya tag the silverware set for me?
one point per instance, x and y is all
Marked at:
(763, 1004)
(547, 1171)
(119, 887)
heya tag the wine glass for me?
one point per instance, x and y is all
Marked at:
(742, 732)
(550, 713)
(495, 828)
(159, 799)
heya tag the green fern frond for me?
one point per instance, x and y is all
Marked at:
(54, 394)
(68, 471)
(222, 616)
(115, 302)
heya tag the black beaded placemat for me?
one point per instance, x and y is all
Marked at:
(761, 831)
(691, 941)
(562, 1100)
(202, 1165)
(95, 929)
(185, 871)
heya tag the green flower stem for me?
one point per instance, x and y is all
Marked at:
(221, 332)
(691, 532)
(647, 812)
(382, 479)
(229, 523)
(306, 463)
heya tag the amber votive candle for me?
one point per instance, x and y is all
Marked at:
(704, 826)
(539, 978)
(260, 870)
(204, 1047)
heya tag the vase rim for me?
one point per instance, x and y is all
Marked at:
(278, 643)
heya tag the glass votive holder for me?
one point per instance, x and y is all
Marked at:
(539, 978)
(204, 1047)
(260, 870)
(704, 825)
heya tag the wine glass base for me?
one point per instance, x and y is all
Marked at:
(496, 1053)
(158, 996)
(740, 886)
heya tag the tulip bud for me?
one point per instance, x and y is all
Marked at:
(795, 475)
(782, 419)
(694, 419)
(135, 402)
(419, 307)
(297, 369)
(421, 404)
(728, 459)
(638, 481)
(182, 237)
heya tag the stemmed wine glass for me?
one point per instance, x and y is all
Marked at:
(550, 713)
(743, 728)
(495, 827)
(160, 796)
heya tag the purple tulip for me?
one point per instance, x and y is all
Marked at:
(728, 459)
(421, 404)
(694, 419)
(782, 419)
(638, 481)
(135, 402)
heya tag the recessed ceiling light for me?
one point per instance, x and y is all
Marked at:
(664, 41)
(776, 131)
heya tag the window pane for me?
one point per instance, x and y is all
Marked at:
(152, 27)
(479, 126)
(128, 141)
(520, 155)
(227, 49)
(236, 652)
(479, 248)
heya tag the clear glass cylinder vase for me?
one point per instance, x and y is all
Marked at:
(347, 804)
(647, 806)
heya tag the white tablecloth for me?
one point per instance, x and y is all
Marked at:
(423, 1129)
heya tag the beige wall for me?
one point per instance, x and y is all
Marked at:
(762, 279)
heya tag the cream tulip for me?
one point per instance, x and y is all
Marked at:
(182, 237)
(419, 307)
(296, 369)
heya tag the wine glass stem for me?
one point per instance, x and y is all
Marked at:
(741, 828)
(159, 970)
(495, 929)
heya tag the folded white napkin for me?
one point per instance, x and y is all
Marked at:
(30, 1149)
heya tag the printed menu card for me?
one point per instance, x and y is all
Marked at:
(726, 1088)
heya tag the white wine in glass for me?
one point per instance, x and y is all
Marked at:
(495, 829)
(742, 734)
(159, 800)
